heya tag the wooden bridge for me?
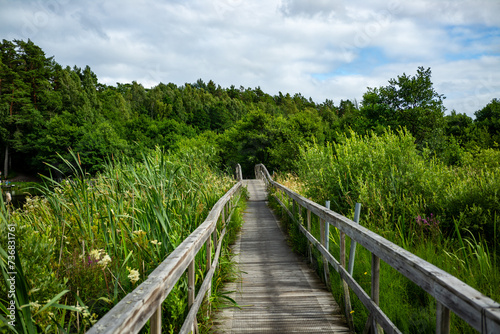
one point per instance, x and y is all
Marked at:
(277, 292)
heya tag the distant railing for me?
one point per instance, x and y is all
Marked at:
(144, 303)
(238, 173)
(451, 294)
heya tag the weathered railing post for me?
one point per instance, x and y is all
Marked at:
(223, 215)
(208, 250)
(214, 237)
(375, 293)
(347, 297)
(352, 251)
(155, 324)
(309, 230)
(322, 240)
(442, 319)
(239, 174)
(191, 289)
(327, 246)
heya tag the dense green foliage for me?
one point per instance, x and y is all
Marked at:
(392, 179)
(46, 109)
(89, 241)
(447, 215)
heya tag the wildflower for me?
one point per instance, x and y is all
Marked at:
(106, 259)
(34, 305)
(84, 310)
(133, 275)
(96, 254)
(352, 312)
(139, 233)
(86, 313)
(155, 242)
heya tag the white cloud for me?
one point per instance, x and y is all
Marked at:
(312, 8)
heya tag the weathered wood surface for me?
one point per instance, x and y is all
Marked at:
(375, 311)
(277, 291)
(478, 310)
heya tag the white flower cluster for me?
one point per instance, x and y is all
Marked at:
(84, 310)
(34, 306)
(102, 258)
(133, 275)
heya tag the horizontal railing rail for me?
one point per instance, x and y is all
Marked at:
(451, 294)
(144, 302)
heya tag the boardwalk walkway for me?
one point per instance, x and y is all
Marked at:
(277, 291)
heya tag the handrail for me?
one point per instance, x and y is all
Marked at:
(451, 294)
(144, 303)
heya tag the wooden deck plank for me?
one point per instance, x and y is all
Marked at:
(277, 291)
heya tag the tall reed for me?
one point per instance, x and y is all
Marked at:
(97, 237)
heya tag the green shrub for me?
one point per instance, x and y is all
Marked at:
(446, 215)
(397, 183)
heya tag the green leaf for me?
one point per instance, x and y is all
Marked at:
(52, 301)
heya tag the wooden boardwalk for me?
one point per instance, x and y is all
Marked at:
(277, 291)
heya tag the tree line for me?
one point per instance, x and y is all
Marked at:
(47, 110)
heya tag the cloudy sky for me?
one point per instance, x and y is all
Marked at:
(323, 49)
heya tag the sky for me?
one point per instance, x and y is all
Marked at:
(322, 49)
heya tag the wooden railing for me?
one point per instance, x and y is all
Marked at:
(144, 303)
(451, 294)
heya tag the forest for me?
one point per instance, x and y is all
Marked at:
(47, 110)
(106, 153)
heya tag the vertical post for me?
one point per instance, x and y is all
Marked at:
(347, 297)
(352, 251)
(375, 294)
(208, 249)
(223, 214)
(214, 237)
(322, 235)
(191, 289)
(442, 319)
(309, 230)
(327, 246)
(155, 324)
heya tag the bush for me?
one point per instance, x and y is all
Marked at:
(396, 183)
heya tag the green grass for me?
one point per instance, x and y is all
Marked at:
(86, 235)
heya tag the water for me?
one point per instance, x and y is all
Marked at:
(18, 196)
